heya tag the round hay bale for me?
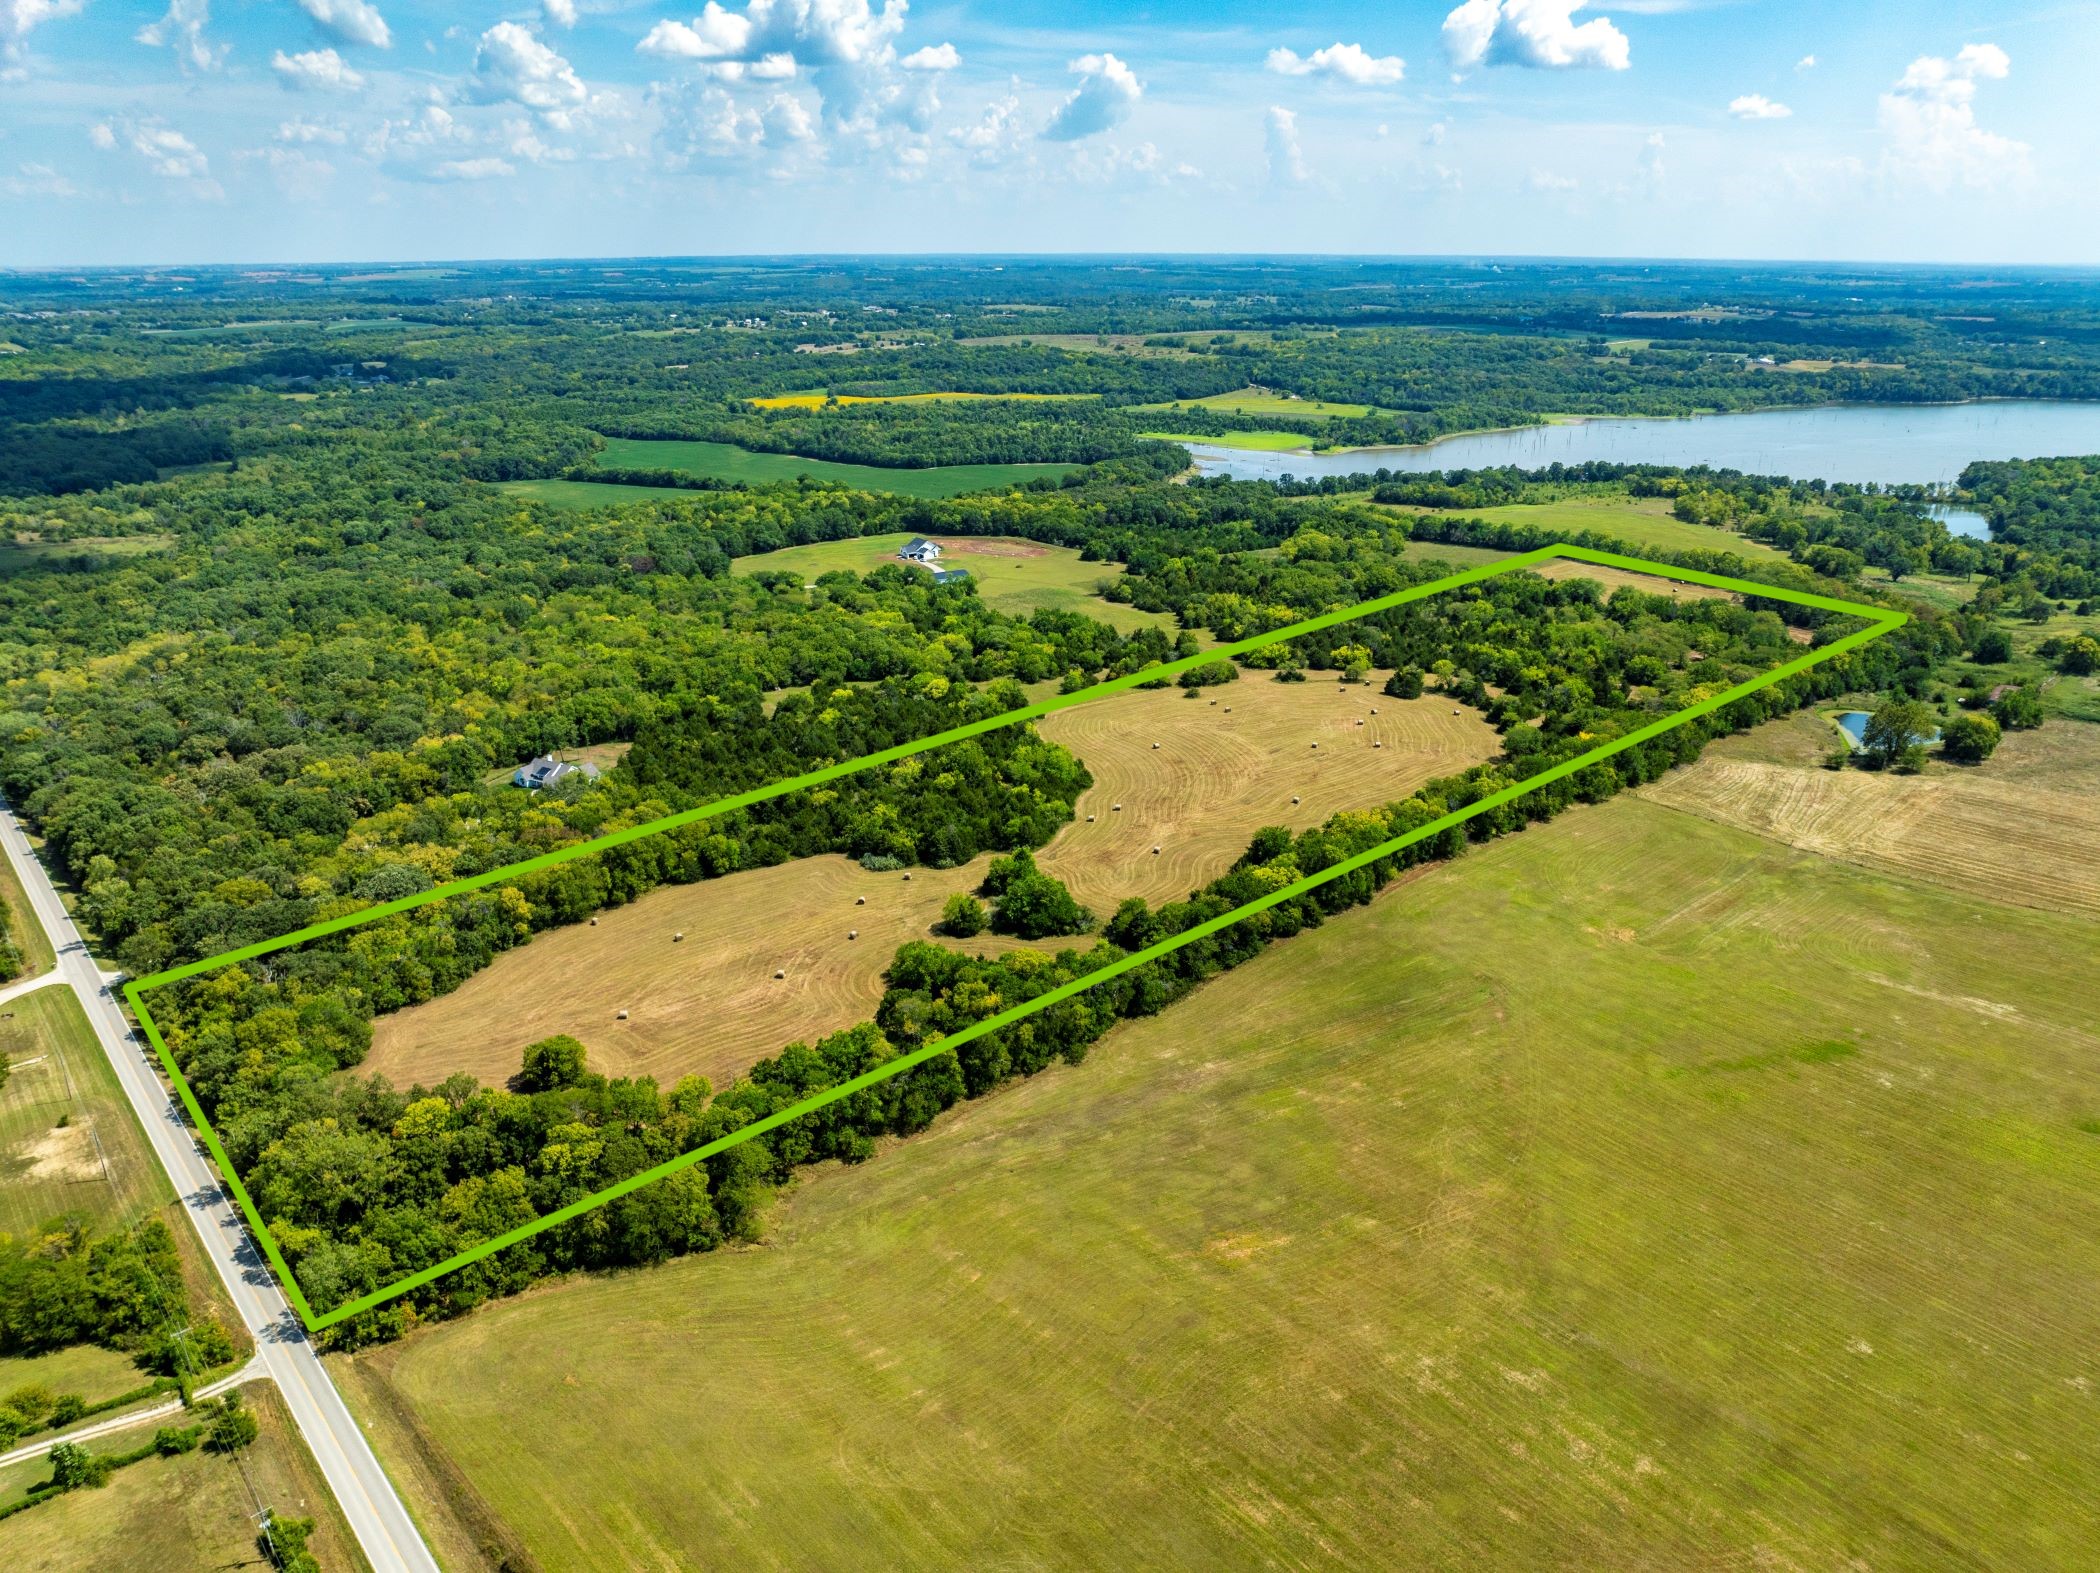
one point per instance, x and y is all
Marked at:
(1378, 745)
(1119, 808)
(853, 933)
(860, 901)
(677, 937)
(1155, 745)
(594, 922)
(1155, 851)
(907, 879)
(1090, 819)
(781, 974)
(1294, 801)
(1374, 710)
(620, 1016)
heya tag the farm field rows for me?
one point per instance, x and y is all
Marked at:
(1012, 576)
(727, 462)
(1632, 1192)
(2023, 828)
(710, 1004)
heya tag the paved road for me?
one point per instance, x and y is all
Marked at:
(377, 1517)
(253, 1371)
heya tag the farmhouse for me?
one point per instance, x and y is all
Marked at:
(920, 550)
(546, 770)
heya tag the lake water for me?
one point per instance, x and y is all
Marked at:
(1853, 723)
(1961, 521)
(1923, 443)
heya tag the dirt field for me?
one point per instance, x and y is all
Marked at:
(1225, 769)
(708, 1003)
(2023, 828)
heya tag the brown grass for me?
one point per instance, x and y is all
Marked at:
(708, 1004)
(2024, 828)
(1221, 773)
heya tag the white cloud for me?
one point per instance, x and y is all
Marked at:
(1434, 135)
(1805, 63)
(996, 135)
(1755, 106)
(483, 168)
(316, 70)
(182, 30)
(1546, 180)
(847, 47)
(1649, 172)
(559, 13)
(1286, 158)
(511, 66)
(934, 57)
(308, 131)
(301, 177)
(766, 68)
(352, 21)
(103, 137)
(1108, 90)
(37, 180)
(1538, 33)
(17, 17)
(711, 132)
(166, 151)
(1348, 62)
(1929, 118)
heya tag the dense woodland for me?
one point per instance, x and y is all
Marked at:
(273, 638)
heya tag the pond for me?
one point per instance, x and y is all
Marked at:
(1961, 521)
(1853, 723)
(1924, 443)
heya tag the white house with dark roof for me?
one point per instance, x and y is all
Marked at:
(546, 770)
(922, 551)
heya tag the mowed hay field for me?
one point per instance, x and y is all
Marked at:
(1229, 762)
(1632, 1193)
(708, 1004)
(2024, 827)
(162, 1515)
(1643, 523)
(1012, 576)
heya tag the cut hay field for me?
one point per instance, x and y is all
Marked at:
(1013, 576)
(1633, 1193)
(726, 462)
(1226, 768)
(708, 1004)
(2023, 827)
(195, 1511)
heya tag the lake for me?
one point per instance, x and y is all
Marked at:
(1923, 443)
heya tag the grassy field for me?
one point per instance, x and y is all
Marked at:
(816, 398)
(1231, 762)
(710, 1004)
(22, 927)
(1633, 1193)
(2022, 828)
(192, 1512)
(91, 1371)
(1643, 523)
(724, 461)
(1265, 401)
(67, 1139)
(1258, 441)
(1012, 576)
(18, 555)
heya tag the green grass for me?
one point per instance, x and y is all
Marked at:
(93, 1372)
(1642, 523)
(723, 461)
(22, 927)
(1253, 401)
(18, 556)
(96, 1163)
(1258, 441)
(1530, 1219)
(1050, 576)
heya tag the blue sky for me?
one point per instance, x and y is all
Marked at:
(316, 130)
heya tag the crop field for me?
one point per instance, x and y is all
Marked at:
(1633, 1192)
(67, 1140)
(708, 1004)
(2023, 828)
(1243, 755)
(1012, 576)
(816, 398)
(727, 462)
(193, 1511)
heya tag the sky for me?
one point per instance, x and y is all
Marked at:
(201, 131)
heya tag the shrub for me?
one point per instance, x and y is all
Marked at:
(1993, 647)
(2018, 711)
(962, 916)
(1406, 683)
(1035, 906)
(552, 1064)
(881, 863)
(1970, 738)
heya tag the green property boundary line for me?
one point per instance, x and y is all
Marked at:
(1881, 621)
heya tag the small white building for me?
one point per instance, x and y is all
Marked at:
(920, 550)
